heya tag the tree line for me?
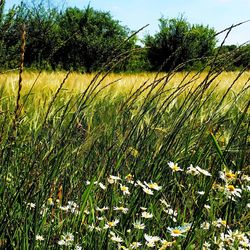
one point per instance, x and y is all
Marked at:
(88, 40)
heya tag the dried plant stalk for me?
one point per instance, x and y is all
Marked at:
(22, 52)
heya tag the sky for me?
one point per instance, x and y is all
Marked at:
(219, 14)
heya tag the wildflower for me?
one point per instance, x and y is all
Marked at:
(232, 191)
(153, 185)
(245, 243)
(217, 186)
(64, 208)
(39, 237)
(122, 209)
(122, 247)
(124, 190)
(102, 209)
(135, 245)
(185, 227)
(164, 203)
(50, 202)
(44, 210)
(98, 229)
(203, 171)
(67, 239)
(200, 192)
(206, 246)
(192, 170)
(166, 244)
(219, 243)
(133, 152)
(111, 224)
(207, 206)
(148, 191)
(93, 227)
(31, 205)
(237, 235)
(9, 177)
(61, 243)
(101, 218)
(139, 225)
(218, 223)
(226, 239)
(227, 175)
(113, 179)
(170, 211)
(86, 211)
(245, 177)
(116, 238)
(102, 186)
(205, 225)
(146, 215)
(73, 207)
(78, 247)
(175, 232)
(143, 208)
(129, 178)
(139, 183)
(174, 167)
(151, 240)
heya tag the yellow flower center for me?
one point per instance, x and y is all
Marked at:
(50, 201)
(231, 188)
(176, 231)
(129, 177)
(111, 223)
(223, 222)
(230, 176)
(123, 188)
(175, 168)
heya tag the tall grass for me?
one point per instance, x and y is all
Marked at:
(94, 157)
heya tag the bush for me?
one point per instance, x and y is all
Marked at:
(178, 42)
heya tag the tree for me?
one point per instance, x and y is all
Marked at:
(177, 42)
(42, 33)
(242, 56)
(92, 36)
(9, 42)
(2, 4)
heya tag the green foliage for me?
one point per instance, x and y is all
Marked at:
(9, 47)
(71, 39)
(55, 166)
(2, 4)
(239, 56)
(92, 38)
(242, 58)
(177, 42)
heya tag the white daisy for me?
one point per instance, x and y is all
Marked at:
(174, 167)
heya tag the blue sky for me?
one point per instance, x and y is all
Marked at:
(219, 14)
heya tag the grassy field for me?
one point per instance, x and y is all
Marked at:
(124, 161)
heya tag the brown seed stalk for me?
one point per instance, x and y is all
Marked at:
(21, 66)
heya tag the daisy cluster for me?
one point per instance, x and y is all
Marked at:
(128, 226)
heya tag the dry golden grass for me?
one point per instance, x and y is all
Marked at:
(48, 82)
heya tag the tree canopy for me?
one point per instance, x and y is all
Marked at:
(87, 39)
(178, 42)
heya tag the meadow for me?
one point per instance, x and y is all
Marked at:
(125, 161)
